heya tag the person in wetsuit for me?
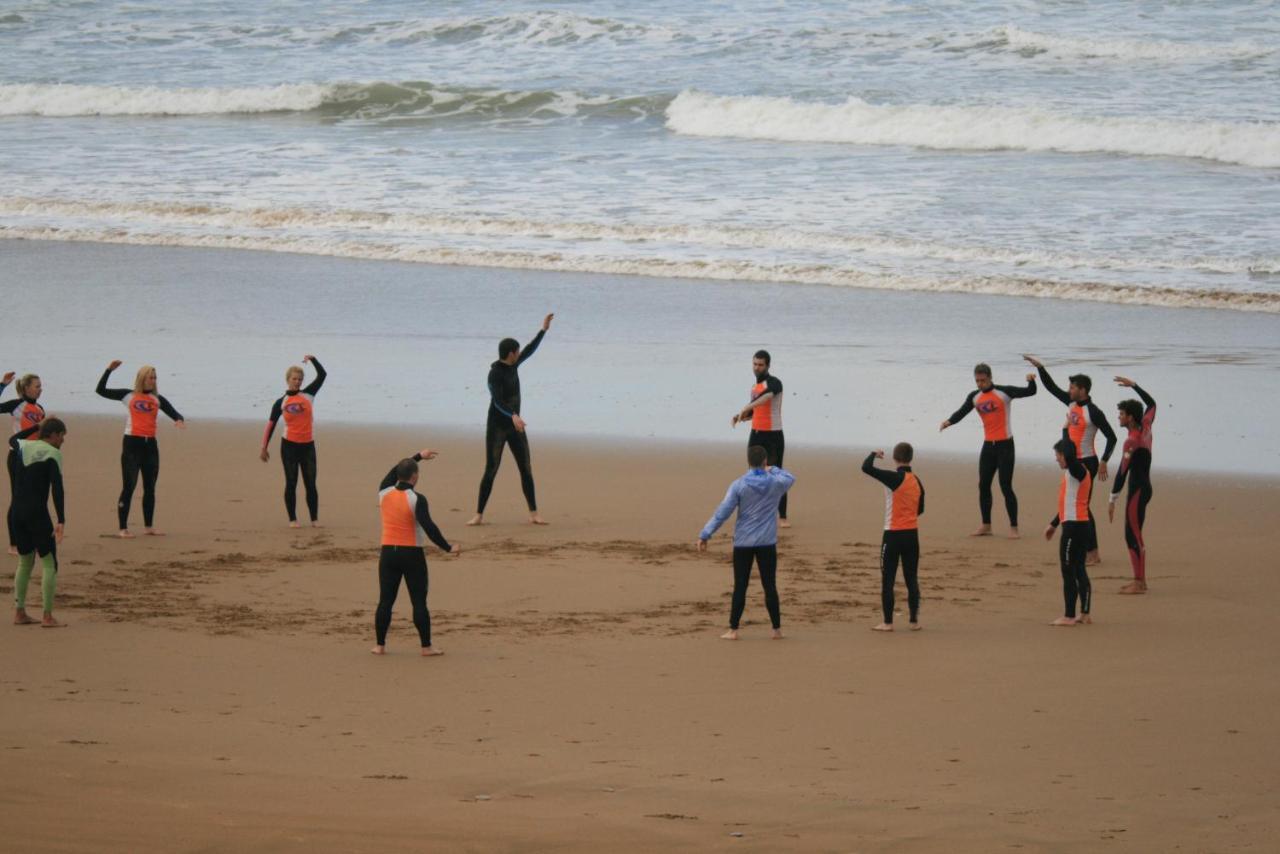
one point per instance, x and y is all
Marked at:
(1135, 467)
(297, 445)
(903, 506)
(1073, 516)
(505, 427)
(995, 406)
(139, 452)
(406, 520)
(764, 412)
(39, 478)
(755, 535)
(1084, 420)
(26, 411)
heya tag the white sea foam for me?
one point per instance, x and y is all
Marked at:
(973, 128)
(1071, 47)
(29, 99)
(721, 270)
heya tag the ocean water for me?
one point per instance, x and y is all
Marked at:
(1115, 151)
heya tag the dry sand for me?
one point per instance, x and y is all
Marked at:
(214, 690)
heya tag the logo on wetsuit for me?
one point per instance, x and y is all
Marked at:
(295, 408)
(144, 406)
(988, 406)
(1073, 418)
(33, 417)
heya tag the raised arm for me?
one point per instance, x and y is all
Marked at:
(891, 479)
(1020, 391)
(531, 348)
(1052, 387)
(314, 385)
(111, 393)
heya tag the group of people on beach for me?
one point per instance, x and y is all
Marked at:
(759, 497)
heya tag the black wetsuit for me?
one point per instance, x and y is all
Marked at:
(1072, 551)
(1135, 469)
(773, 441)
(8, 408)
(998, 454)
(500, 430)
(898, 545)
(36, 482)
(408, 563)
(1098, 419)
(138, 454)
(298, 456)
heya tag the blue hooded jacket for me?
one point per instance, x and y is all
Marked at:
(755, 496)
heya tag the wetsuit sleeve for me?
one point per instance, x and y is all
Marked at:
(891, 479)
(722, 513)
(495, 379)
(1019, 391)
(110, 393)
(1150, 402)
(167, 408)
(390, 480)
(528, 352)
(1117, 483)
(772, 388)
(314, 385)
(9, 406)
(55, 487)
(424, 521)
(920, 509)
(277, 409)
(22, 434)
(1052, 387)
(1100, 418)
(965, 408)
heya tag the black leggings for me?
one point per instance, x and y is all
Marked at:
(409, 563)
(895, 545)
(12, 464)
(1091, 533)
(299, 456)
(1075, 578)
(774, 445)
(139, 454)
(498, 435)
(997, 457)
(766, 558)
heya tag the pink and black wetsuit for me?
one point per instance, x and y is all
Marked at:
(1135, 468)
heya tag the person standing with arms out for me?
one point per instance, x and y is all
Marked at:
(505, 426)
(764, 411)
(405, 521)
(140, 452)
(26, 412)
(1135, 466)
(1073, 515)
(903, 507)
(39, 477)
(1084, 420)
(995, 406)
(297, 445)
(755, 535)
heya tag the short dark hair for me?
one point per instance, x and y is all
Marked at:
(51, 427)
(982, 368)
(1081, 380)
(757, 456)
(1067, 448)
(764, 354)
(903, 452)
(507, 346)
(406, 469)
(1132, 407)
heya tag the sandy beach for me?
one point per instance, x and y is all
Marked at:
(214, 691)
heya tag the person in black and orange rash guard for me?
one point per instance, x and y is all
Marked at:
(1073, 515)
(405, 522)
(903, 506)
(297, 445)
(26, 412)
(140, 452)
(995, 405)
(764, 411)
(1135, 467)
(1084, 421)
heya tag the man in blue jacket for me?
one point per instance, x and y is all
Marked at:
(755, 496)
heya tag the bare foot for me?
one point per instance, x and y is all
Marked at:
(1134, 587)
(430, 650)
(295, 524)
(915, 627)
(478, 519)
(50, 623)
(380, 649)
(125, 534)
(883, 627)
(783, 523)
(21, 618)
(1092, 558)
(732, 634)
(1014, 535)
(983, 531)
(1084, 620)
(777, 634)
(315, 523)
(152, 532)
(1064, 621)
(535, 519)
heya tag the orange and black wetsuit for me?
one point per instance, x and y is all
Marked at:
(139, 452)
(297, 445)
(500, 430)
(1073, 514)
(405, 521)
(995, 406)
(1135, 468)
(766, 425)
(26, 413)
(903, 506)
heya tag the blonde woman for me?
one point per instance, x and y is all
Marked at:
(297, 445)
(140, 452)
(26, 412)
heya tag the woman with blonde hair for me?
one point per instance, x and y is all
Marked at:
(26, 412)
(297, 445)
(140, 452)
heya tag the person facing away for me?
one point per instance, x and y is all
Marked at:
(1073, 516)
(903, 506)
(995, 406)
(39, 478)
(504, 427)
(754, 497)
